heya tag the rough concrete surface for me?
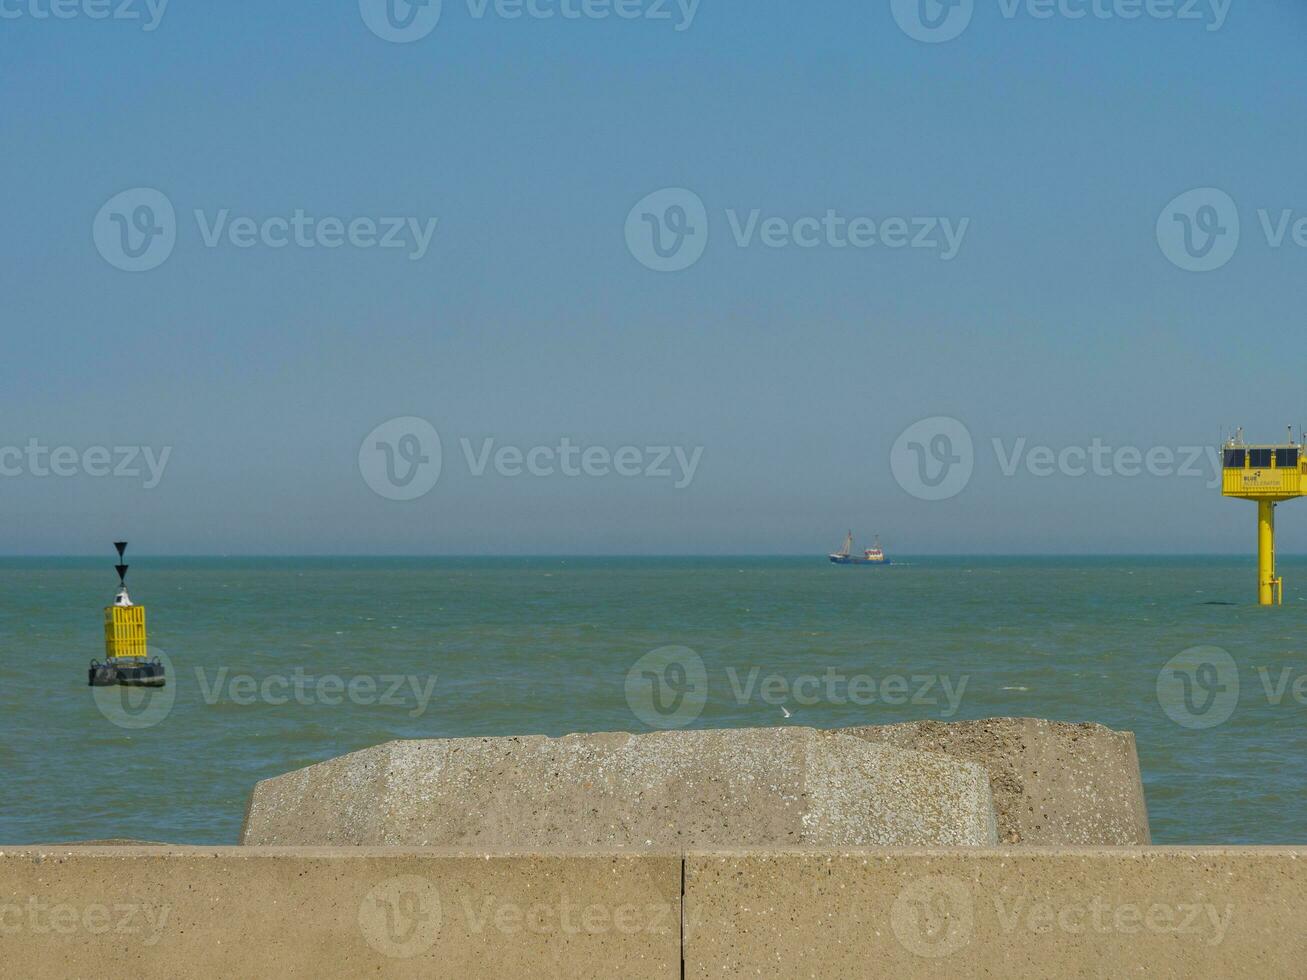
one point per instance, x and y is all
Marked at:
(1023, 912)
(908, 913)
(247, 912)
(1053, 783)
(737, 788)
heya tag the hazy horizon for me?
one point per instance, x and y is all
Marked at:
(285, 279)
(818, 555)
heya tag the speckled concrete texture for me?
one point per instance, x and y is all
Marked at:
(1053, 783)
(1023, 912)
(736, 788)
(178, 913)
(323, 913)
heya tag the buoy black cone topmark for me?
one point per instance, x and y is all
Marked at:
(126, 659)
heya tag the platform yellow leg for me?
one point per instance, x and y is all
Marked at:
(1268, 586)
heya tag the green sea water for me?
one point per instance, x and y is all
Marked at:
(276, 664)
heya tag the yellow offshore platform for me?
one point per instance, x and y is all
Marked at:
(127, 659)
(1268, 474)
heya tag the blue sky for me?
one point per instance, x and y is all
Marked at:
(1053, 143)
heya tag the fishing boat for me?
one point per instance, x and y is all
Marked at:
(870, 556)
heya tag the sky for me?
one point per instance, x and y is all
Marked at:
(646, 277)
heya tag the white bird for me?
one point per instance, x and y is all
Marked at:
(785, 711)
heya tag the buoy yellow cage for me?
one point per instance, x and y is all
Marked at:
(124, 632)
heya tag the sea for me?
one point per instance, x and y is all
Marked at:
(278, 663)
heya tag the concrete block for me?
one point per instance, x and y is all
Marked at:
(666, 790)
(1022, 912)
(1053, 783)
(321, 914)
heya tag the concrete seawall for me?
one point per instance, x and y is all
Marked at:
(1023, 912)
(322, 913)
(344, 912)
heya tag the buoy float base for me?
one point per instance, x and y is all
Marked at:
(132, 673)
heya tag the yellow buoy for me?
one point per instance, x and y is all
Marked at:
(127, 659)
